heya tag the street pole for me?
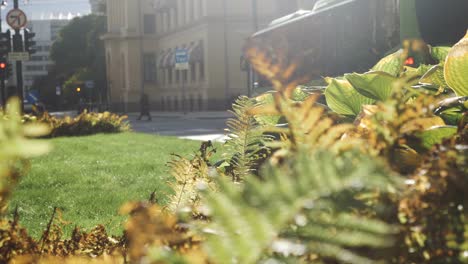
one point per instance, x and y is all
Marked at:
(2, 83)
(18, 47)
(250, 71)
(226, 57)
(255, 15)
(184, 75)
(142, 55)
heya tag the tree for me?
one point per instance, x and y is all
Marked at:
(78, 49)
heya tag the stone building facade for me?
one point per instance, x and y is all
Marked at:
(142, 38)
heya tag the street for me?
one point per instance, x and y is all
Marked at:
(201, 126)
(196, 126)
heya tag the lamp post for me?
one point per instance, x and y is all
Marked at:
(250, 71)
(255, 15)
(3, 5)
(226, 57)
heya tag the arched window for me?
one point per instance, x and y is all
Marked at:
(182, 11)
(123, 71)
(176, 103)
(200, 102)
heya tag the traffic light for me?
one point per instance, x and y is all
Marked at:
(29, 43)
(78, 90)
(5, 69)
(9, 72)
(5, 43)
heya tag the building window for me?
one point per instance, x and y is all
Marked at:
(200, 102)
(164, 21)
(190, 11)
(202, 60)
(35, 68)
(149, 24)
(182, 11)
(176, 17)
(161, 74)
(169, 75)
(184, 76)
(172, 20)
(193, 72)
(176, 103)
(202, 70)
(149, 62)
(201, 8)
(38, 58)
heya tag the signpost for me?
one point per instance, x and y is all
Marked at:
(16, 19)
(18, 56)
(181, 59)
(182, 64)
(89, 84)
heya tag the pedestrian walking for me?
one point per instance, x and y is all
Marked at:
(145, 109)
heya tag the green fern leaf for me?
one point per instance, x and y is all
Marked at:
(248, 218)
(244, 146)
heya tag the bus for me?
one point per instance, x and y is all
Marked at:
(339, 36)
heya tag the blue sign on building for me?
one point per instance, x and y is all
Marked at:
(182, 59)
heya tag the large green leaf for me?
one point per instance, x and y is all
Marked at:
(267, 99)
(375, 85)
(451, 110)
(434, 76)
(456, 68)
(440, 53)
(343, 99)
(392, 64)
(436, 135)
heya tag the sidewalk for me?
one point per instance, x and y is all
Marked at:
(201, 126)
(191, 115)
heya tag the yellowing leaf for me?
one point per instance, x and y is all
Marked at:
(392, 64)
(421, 124)
(375, 85)
(434, 76)
(456, 67)
(436, 135)
(343, 99)
(440, 53)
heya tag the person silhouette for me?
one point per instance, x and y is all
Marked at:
(144, 106)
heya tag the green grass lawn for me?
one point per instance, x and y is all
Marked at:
(89, 178)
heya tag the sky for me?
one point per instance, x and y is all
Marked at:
(43, 9)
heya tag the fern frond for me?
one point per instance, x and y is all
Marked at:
(247, 219)
(189, 175)
(309, 126)
(244, 147)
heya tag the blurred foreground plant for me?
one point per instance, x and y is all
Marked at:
(82, 125)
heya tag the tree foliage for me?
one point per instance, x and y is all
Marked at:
(79, 45)
(77, 50)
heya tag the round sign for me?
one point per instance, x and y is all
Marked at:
(16, 19)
